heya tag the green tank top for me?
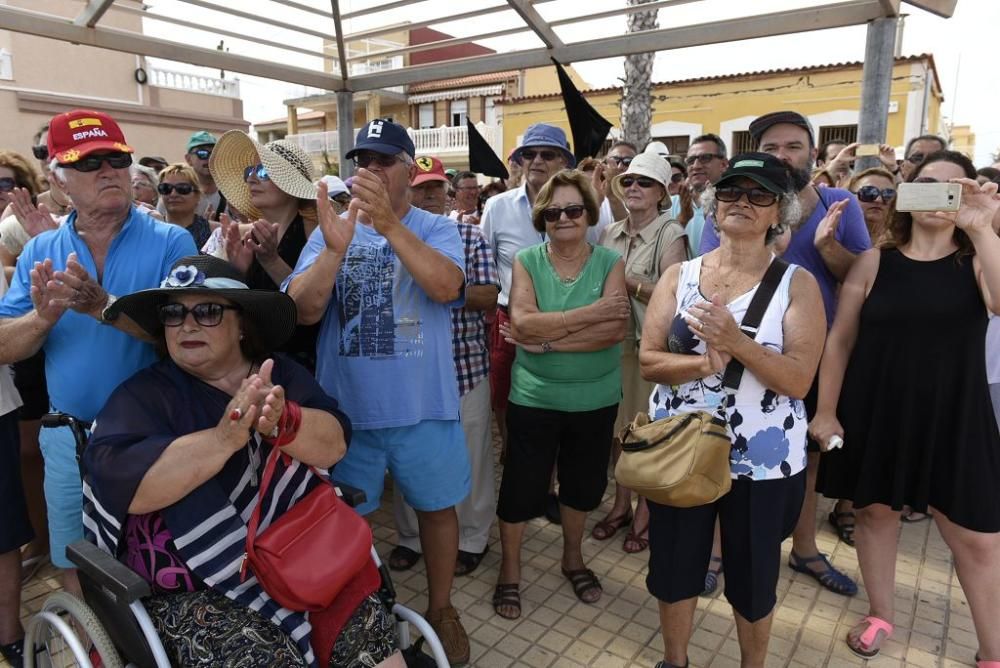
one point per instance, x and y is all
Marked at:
(571, 382)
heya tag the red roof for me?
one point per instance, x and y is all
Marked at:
(462, 82)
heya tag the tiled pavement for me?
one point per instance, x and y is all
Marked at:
(933, 625)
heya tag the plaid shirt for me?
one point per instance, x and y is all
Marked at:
(468, 328)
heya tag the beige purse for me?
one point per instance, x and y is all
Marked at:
(683, 460)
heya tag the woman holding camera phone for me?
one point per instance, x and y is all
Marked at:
(905, 359)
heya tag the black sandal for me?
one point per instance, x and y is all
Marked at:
(403, 558)
(845, 530)
(508, 595)
(469, 561)
(583, 580)
(712, 576)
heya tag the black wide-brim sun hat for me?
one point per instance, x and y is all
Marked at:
(272, 313)
(763, 169)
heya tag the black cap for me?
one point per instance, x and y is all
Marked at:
(762, 168)
(761, 124)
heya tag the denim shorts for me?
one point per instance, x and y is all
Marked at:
(63, 491)
(428, 462)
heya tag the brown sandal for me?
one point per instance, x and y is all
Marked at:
(583, 580)
(636, 541)
(609, 526)
(507, 595)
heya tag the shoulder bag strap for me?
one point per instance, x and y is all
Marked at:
(753, 317)
(222, 207)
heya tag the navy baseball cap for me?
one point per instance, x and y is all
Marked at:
(762, 168)
(382, 136)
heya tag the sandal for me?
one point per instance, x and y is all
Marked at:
(583, 580)
(712, 576)
(636, 542)
(13, 653)
(867, 640)
(845, 530)
(829, 577)
(403, 558)
(913, 516)
(469, 561)
(508, 595)
(609, 526)
(664, 664)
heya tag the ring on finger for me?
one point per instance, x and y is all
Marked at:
(235, 415)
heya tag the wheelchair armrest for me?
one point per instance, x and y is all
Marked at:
(117, 579)
(352, 496)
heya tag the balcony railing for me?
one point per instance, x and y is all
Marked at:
(194, 83)
(431, 141)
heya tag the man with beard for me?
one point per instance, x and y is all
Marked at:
(828, 238)
(706, 161)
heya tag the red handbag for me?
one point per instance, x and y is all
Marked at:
(308, 554)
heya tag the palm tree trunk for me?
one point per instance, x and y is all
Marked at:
(637, 103)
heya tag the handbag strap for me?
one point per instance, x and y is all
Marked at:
(753, 317)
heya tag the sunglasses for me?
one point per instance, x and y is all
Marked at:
(181, 188)
(258, 171)
(756, 196)
(206, 315)
(202, 153)
(622, 162)
(529, 156)
(916, 158)
(642, 181)
(41, 152)
(872, 193)
(703, 158)
(554, 213)
(93, 162)
(676, 178)
(7, 184)
(383, 160)
(925, 179)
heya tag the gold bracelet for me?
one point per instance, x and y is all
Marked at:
(638, 290)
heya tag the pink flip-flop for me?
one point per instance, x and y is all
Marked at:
(870, 636)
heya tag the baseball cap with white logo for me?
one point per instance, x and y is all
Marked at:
(382, 136)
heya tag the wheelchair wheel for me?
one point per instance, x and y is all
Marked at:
(65, 633)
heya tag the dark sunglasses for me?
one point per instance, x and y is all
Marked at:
(383, 160)
(916, 158)
(642, 181)
(529, 155)
(202, 153)
(872, 193)
(258, 171)
(554, 213)
(181, 188)
(41, 152)
(756, 196)
(622, 162)
(206, 315)
(676, 178)
(93, 162)
(7, 184)
(703, 158)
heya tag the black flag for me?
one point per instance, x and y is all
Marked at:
(589, 128)
(482, 158)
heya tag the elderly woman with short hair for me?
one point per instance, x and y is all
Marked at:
(181, 193)
(144, 184)
(568, 317)
(690, 336)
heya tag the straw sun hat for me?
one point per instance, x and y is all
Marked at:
(287, 165)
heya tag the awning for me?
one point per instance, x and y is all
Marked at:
(459, 94)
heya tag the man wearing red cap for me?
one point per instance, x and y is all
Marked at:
(65, 280)
(429, 187)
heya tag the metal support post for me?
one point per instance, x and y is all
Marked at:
(880, 47)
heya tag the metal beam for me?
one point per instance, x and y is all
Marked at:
(345, 131)
(413, 25)
(854, 12)
(257, 18)
(622, 11)
(46, 25)
(440, 44)
(943, 8)
(891, 7)
(535, 21)
(299, 5)
(92, 13)
(338, 28)
(876, 84)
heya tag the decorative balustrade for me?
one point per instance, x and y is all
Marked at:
(429, 141)
(194, 83)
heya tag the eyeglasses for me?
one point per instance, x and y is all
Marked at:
(93, 162)
(756, 196)
(676, 178)
(554, 213)
(41, 152)
(202, 153)
(622, 161)
(206, 315)
(529, 156)
(915, 158)
(7, 184)
(872, 193)
(181, 188)
(642, 182)
(383, 160)
(257, 171)
(703, 158)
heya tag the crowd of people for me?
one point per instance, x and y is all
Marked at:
(203, 316)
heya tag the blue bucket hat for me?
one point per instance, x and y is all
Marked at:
(382, 136)
(550, 136)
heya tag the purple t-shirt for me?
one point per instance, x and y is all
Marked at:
(852, 233)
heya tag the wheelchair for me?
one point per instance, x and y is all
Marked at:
(110, 628)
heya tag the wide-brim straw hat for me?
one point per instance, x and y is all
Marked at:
(288, 167)
(272, 313)
(644, 164)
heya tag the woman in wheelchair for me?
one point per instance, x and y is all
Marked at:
(174, 466)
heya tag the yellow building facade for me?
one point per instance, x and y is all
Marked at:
(829, 95)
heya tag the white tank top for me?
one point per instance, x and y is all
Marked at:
(768, 430)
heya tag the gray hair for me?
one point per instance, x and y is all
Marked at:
(789, 212)
(406, 158)
(58, 170)
(148, 172)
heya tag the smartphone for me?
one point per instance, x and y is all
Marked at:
(928, 196)
(867, 149)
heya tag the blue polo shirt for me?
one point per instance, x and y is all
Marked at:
(85, 360)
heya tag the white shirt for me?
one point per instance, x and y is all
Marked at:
(993, 350)
(10, 399)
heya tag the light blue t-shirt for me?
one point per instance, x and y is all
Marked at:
(694, 228)
(384, 349)
(85, 360)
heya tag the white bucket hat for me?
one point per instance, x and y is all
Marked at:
(645, 164)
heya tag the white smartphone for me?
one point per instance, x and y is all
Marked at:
(928, 196)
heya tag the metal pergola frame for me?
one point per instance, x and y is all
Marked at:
(86, 28)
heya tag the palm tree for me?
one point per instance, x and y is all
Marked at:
(637, 103)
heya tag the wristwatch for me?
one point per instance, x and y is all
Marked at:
(546, 347)
(108, 318)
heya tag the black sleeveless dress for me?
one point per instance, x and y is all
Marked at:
(918, 422)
